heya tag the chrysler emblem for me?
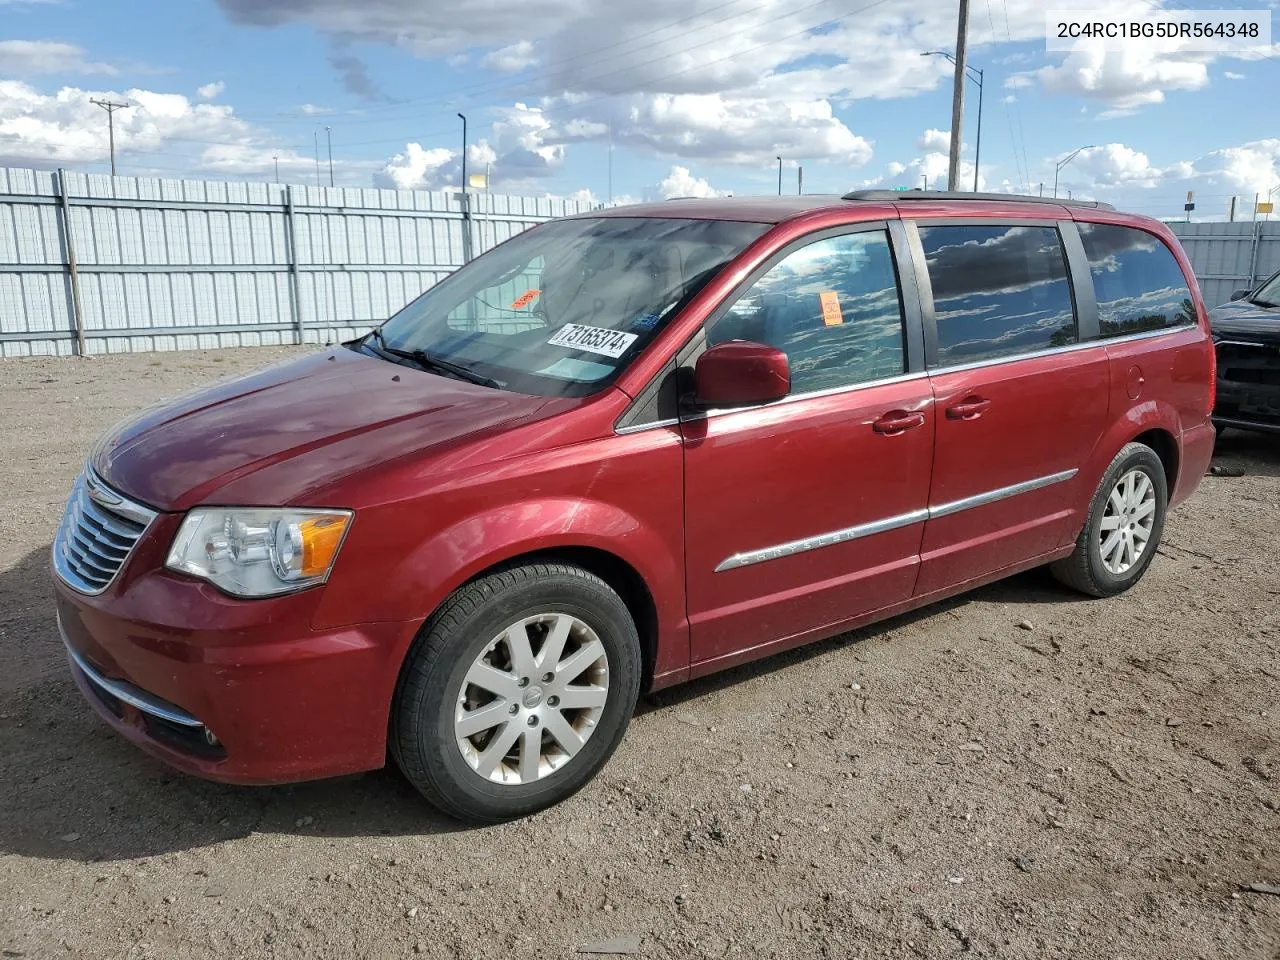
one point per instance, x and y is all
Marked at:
(104, 497)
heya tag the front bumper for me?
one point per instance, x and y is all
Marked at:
(241, 692)
(1248, 389)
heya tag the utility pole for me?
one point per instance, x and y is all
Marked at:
(611, 159)
(779, 176)
(276, 160)
(799, 181)
(111, 107)
(317, 138)
(957, 96)
(976, 76)
(328, 132)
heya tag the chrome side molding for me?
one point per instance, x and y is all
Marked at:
(823, 540)
(1002, 493)
(890, 523)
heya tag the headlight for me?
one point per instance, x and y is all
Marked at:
(257, 552)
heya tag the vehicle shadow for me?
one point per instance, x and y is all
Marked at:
(1258, 454)
(73, 789)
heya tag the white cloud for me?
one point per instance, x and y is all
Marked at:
(681, 183)
(210, 91)
(24, 58)
(65, 127)
(515, 152)
(1249, 167)
(712, 127)
(1230, 75)
(935, 141)
(312, 110)
(707, 80)
(417, 168)
(509, 59)
(929, 170)
(1113, 165)
(1126, 79)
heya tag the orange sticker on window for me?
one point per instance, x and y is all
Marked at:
(831, 315)
(525, 299)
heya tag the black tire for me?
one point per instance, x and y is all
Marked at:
(422, 718)
(1084, 569)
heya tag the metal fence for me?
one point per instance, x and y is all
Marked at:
(1230, 256)
(98, 264)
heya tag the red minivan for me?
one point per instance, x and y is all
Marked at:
(619, 451)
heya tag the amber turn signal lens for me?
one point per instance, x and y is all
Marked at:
(321, 538)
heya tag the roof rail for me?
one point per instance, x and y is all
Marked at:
(918, 194)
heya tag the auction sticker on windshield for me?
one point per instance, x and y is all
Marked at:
(607, 343)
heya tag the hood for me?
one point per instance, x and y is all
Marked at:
(180, 454)
(1247, 321)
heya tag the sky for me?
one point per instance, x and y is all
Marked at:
(629, 100)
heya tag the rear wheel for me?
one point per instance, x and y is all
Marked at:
(1125, 524)
(517, 692)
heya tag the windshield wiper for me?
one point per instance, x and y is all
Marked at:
(428, 361)
(1263, 303)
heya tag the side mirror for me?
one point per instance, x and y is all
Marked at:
(741, 372)
(1240, 294)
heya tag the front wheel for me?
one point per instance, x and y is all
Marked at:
(517, 692)
(1125, 524)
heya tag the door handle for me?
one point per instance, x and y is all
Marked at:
(971, 408)
(898, 421)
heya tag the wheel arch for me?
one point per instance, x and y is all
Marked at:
(623, 578)
(1165, 445)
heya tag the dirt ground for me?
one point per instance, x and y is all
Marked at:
(1100, 785)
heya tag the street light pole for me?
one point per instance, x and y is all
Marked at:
(328, 132)
(1063, 162)
(976, 75)
(779, 176)
(463, 118)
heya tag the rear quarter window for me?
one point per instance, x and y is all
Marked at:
(1136, 281)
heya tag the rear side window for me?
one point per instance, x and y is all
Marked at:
(832, 307)
(1136, 280)
(998, 291)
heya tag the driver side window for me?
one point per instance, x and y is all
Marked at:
(832, 307)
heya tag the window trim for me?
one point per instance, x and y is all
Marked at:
(929, 315)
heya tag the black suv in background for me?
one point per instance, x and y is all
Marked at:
(1247, 334)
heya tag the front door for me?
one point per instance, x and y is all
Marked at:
(804, 513)
(1020, 403)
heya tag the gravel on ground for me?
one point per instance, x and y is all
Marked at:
(1019, 772)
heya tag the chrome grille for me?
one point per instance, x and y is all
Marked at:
(98, 531)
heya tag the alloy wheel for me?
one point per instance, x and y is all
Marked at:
(1127, 522)
(532, 699)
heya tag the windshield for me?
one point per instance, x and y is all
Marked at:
(561, 309)
(1269, 293)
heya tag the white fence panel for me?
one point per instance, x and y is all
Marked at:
(165, 264)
